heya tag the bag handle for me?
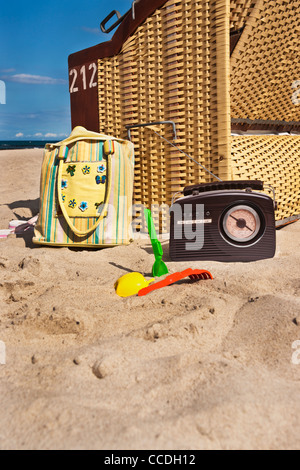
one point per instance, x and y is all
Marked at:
(103, 214)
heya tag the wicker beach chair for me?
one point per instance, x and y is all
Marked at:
(212, 68)
(265, 83)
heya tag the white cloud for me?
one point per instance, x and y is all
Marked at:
(91, 30)
(50, 135)
(20, 134)
(34, 79)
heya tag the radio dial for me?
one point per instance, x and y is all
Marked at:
(241, 224)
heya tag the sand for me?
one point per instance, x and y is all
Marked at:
(192, 366)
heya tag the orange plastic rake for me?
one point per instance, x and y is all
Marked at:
(193, 274)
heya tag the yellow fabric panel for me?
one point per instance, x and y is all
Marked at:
(82, 194)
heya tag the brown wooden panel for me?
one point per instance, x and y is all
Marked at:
(84, 95)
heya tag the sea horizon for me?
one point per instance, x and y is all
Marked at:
(23, 144)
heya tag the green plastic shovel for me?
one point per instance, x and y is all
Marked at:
(159, 268)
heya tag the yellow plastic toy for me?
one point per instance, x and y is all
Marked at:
(131, 284)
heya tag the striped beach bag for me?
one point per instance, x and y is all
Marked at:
(86, 192)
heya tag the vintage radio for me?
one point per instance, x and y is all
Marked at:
(223, 221)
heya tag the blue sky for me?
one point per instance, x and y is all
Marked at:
(36, 39)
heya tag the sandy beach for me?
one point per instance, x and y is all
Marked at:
(192, 366)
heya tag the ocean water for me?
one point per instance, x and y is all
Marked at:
(23, 144)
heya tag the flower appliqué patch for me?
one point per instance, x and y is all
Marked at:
(83, 206)
(101, 169)
(64, 184)
(71, 169)
(86, 170)
(72, 203)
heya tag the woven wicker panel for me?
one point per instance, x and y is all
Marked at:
(173, 67)
(239, 13)
(274, 160)
(265, 66)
